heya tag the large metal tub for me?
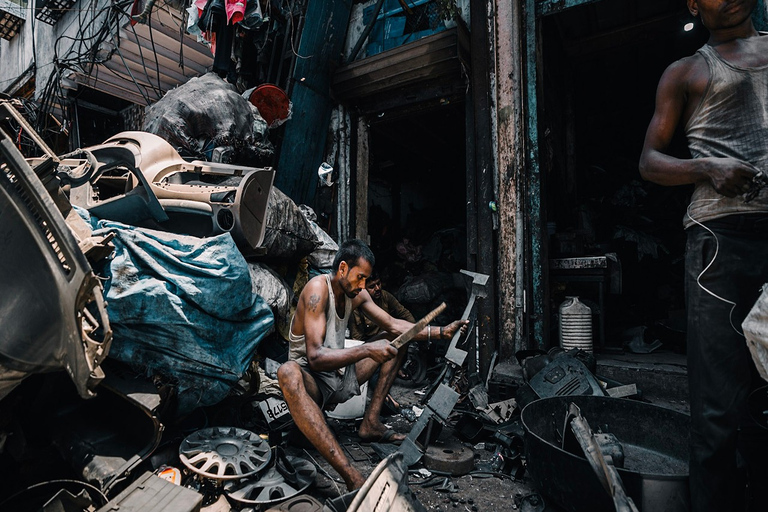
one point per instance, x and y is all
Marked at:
(655, 442)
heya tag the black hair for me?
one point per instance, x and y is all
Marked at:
(374, 275)
(351, 251)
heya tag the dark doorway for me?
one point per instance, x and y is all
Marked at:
(601, 65)
(98, 116)
(417, 192)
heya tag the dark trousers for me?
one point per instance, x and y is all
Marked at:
(729, 451)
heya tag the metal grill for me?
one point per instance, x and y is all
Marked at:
(50, 11)
(7, 173)
(9, 24)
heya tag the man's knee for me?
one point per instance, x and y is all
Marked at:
(289, 377)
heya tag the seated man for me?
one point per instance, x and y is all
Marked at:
(362, 326)
(321, 373)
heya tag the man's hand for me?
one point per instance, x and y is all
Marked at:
(729, 176)
(381, 351)
(450, 329)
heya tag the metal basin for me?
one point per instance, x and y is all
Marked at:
(655, 442)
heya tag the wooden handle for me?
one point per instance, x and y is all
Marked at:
(417, 327)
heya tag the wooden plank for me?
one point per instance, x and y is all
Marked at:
(397, 52)
(429, 93)
(511, 164)
(397, 67)
(169, 70)
(191, 66)
(103, 74)
(361, 179)
(111, 88)
(396, 75)
(165, 42)
(401, 77)
(150, 81)
(533, 194)
(424, 46)
(148, 69)
(439, 56)
(485, 168)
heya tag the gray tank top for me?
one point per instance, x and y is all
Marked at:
(335, 329)
(730, 121)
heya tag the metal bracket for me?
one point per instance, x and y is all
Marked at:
(443, 398)
(479, 282)
(439, 407)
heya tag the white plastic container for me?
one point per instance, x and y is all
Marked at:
(575, 325)
(353, 408)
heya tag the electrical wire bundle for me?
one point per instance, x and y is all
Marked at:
(97, 41)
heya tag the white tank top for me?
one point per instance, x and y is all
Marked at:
(335, 329)
(730, 121)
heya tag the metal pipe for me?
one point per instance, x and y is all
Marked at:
(366, 32)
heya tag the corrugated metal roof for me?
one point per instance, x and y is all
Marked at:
(132, 72)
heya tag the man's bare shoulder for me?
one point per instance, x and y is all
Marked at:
(685, 77)
(687, 66)
(315, 293)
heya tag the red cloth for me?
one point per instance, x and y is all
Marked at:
(235, 11)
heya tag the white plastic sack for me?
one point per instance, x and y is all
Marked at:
(755, 328)
(275, 292)
(323, 255)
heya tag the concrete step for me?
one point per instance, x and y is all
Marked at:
(662, 377)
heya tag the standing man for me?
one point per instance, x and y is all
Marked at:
(321, 373)
(720, 97)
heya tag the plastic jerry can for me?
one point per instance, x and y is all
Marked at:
(575, 325)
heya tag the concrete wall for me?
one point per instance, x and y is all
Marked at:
(35, 43)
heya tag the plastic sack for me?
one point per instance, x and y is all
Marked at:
(424, 288)
(183, 307)
(205, 113)
(275, 292)
(323, 255)
(288, 233)
(755, 327)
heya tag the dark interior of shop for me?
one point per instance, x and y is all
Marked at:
(601, 65)
(417, 193)
(98, 115)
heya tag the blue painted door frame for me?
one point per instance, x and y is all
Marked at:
(319, 53)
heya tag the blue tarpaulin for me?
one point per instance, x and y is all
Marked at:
(183, 307)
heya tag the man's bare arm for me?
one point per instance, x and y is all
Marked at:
(677, 88)
(396, 326)
(313, 303)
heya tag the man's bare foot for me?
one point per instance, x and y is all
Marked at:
(379, 433)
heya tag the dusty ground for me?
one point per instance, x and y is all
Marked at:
(472, 492)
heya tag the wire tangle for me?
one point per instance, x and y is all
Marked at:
(97, 42)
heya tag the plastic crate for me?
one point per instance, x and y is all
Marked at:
(150, 493)
(50, 11)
